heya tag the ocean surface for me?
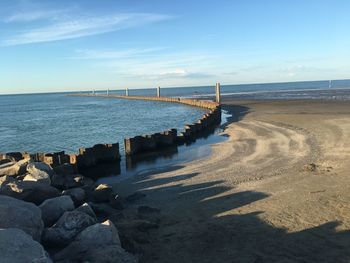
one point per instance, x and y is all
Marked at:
(55, 122)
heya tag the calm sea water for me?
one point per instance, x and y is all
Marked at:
(55, 122)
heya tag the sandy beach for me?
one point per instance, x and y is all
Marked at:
(275, 191)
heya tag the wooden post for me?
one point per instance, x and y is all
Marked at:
(107, 92)
(126, 92)
(158, 92)
(217, 92)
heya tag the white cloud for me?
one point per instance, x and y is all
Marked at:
(21, 17)
(112, 54)
(81, 27)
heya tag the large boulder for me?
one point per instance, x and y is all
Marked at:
(19, 214)
(66, 228)
(102, 193)
(52, 209)
(77, 194)
(14, 168)
(29, 191)
(38, 176)
(6, 179)
(17, 247)
(66, 181)
(95, 236)
(39, 172)
(86, 208)
(40, 166)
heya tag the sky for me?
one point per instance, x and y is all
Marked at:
(50, 46)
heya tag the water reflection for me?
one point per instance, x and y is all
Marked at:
(143, 163)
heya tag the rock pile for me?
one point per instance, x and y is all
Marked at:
(57, 215)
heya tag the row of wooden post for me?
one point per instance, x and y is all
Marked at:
(217, 92)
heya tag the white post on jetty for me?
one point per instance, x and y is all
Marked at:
(93, 92)
(158, 92)
(217, 92)
(107, 92)
(126, 92)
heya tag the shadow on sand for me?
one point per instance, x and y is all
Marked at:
(203, 222)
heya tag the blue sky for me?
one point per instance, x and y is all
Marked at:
(48, 46)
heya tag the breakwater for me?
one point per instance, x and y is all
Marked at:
(101, 153)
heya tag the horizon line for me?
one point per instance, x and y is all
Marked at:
(169, 87)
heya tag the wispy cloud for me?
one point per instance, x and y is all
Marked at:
(21, 17)
(82, 27)
(89, 54)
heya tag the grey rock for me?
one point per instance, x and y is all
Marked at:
(14, 169)
(29, 191)
(38, 176)
(86, 208)
(6, 179)
(17, 247)
(52, 209)
(65, 181)
(95, 236)
(23, 215)
(65, 169)
(66, 228)
(102, 193)
(40, 166)
(77, 194)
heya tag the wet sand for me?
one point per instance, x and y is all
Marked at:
(276, 191)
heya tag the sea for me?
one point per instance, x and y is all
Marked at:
(55, 122)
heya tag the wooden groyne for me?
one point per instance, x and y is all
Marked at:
(101, 153)
(156, 141)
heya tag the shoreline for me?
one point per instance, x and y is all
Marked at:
(274, 191)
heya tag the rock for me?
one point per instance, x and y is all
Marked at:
(65, 169)
(23, 215)
(77, 194)
(135, 197)
(6, 179)
(5, 162)
(117, 202)
(95, 236)
(66, 228)
(15, 169)
(17, 247)
(35, 167)
(65, 181)
(29, 191)
(103, 209)
(86, 208)
(102, 193)
(52, 209)
(38, 176)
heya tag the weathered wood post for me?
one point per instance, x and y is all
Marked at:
(217, 92)
(126, 92)
(158, 92)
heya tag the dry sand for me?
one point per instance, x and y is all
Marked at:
(257, 198)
